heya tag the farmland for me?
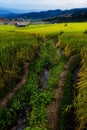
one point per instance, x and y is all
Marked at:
(50, 50)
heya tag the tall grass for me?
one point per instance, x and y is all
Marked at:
(76, 43)
(15, 49)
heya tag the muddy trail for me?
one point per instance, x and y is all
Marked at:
(20, 84)
(53, 108)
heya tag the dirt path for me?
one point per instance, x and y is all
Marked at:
(4, 101)
(53, 108)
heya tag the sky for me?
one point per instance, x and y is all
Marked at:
(43, 4)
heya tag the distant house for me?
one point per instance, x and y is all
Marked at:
(20, 24)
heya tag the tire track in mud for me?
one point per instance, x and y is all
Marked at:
(19, 85)
(53, 108)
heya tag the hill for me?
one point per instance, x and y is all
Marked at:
(10, 13)
(6, 12)
(51, 16)
(78, 14)
(41, 15)
(73, 15)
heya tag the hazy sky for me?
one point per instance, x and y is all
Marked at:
(43, 4)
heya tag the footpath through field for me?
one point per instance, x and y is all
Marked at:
(4, 101)
(53, 108)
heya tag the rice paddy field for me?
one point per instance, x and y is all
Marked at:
(44, 47)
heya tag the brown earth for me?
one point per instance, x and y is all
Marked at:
(53, 108)
(4, 101)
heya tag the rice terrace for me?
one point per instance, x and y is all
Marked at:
(43, 76)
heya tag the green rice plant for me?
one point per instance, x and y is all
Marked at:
(18, 45)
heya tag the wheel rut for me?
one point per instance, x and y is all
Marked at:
(19, 85)
(53, 108)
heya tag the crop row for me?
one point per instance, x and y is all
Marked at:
(76, 43)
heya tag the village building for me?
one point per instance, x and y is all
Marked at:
(21, 24)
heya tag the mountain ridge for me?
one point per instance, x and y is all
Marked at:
(77, 12)
(58, 15)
